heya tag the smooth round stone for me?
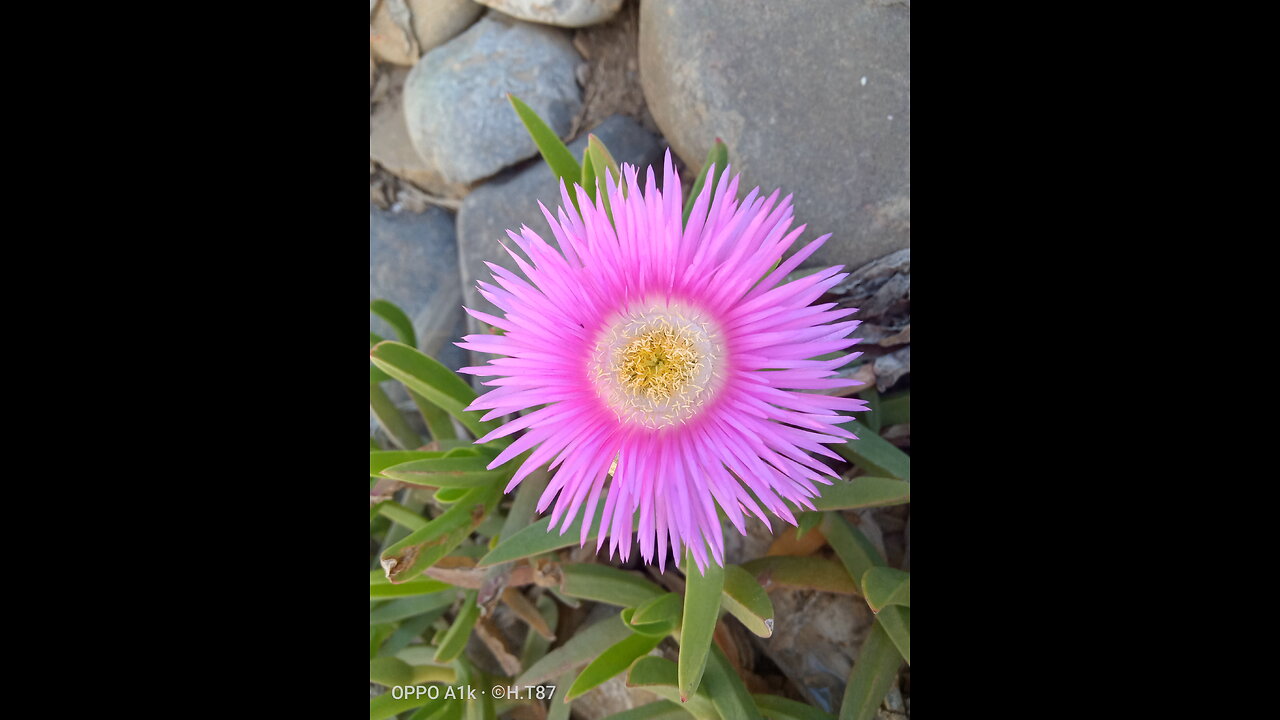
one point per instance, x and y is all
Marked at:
(812, 97)
(455, 98)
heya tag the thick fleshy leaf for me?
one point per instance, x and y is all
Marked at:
(410, 606)
(809, 573)
(386, 705)
(435, 382)
(454, 472)
(375, 375)
(396, 318)
(775, 707)
(380, 460)
(553, 149)
(611, 662)
(863, 491)
(401, 515)
(728, 693)
(588, 175)
(884, 586)
(874, 454)
(663, 611)
(439, 424)
(422, 548)
(581, 648)
(410, 630)
(658, 676)
(607, 584)
(719, 155)
(602, 166)
(455, 639)
(391, 419)
(537, 539)
(855, 551)
(895, 409)
(702, 594)
(896, 621)
(747, 601)
(390, 671)
(871, 677)
(380, 587)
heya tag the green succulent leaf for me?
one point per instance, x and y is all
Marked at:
(871, 677)
(659, 676)
(727, 692)
(780, 708)
(402, 608)
(401, 515)
(808, 573)
(553, 149)
(451, 472)
(435, 382)
(397, 319)
(422, 548)
(863, 491)
(611, 662)
(702, 596)
(896, 621)
(719, 155)
(663, 611)
(895, 409)
(874, 454)
(380, 460)
(852, 547)
(455, 639)
(607, 584)
(580, 649)
(380, 587)
(540, 538)
(390, 671)
(884, 586)
(391, 420)
(747, 601)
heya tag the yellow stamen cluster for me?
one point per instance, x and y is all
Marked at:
(658, 364)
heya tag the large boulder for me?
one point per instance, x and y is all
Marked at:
(455, 99)
(812, 97)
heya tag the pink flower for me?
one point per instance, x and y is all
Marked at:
(674, 352)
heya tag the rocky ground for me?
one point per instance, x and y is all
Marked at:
(812, 97)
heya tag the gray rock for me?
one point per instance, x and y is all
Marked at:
(413, 262)
(565, 13)
(390, 147)
(391, 33)
(811, 97)
(435, 22)
(511, 200)
(455, 98)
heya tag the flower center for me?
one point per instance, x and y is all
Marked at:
(658, 364)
